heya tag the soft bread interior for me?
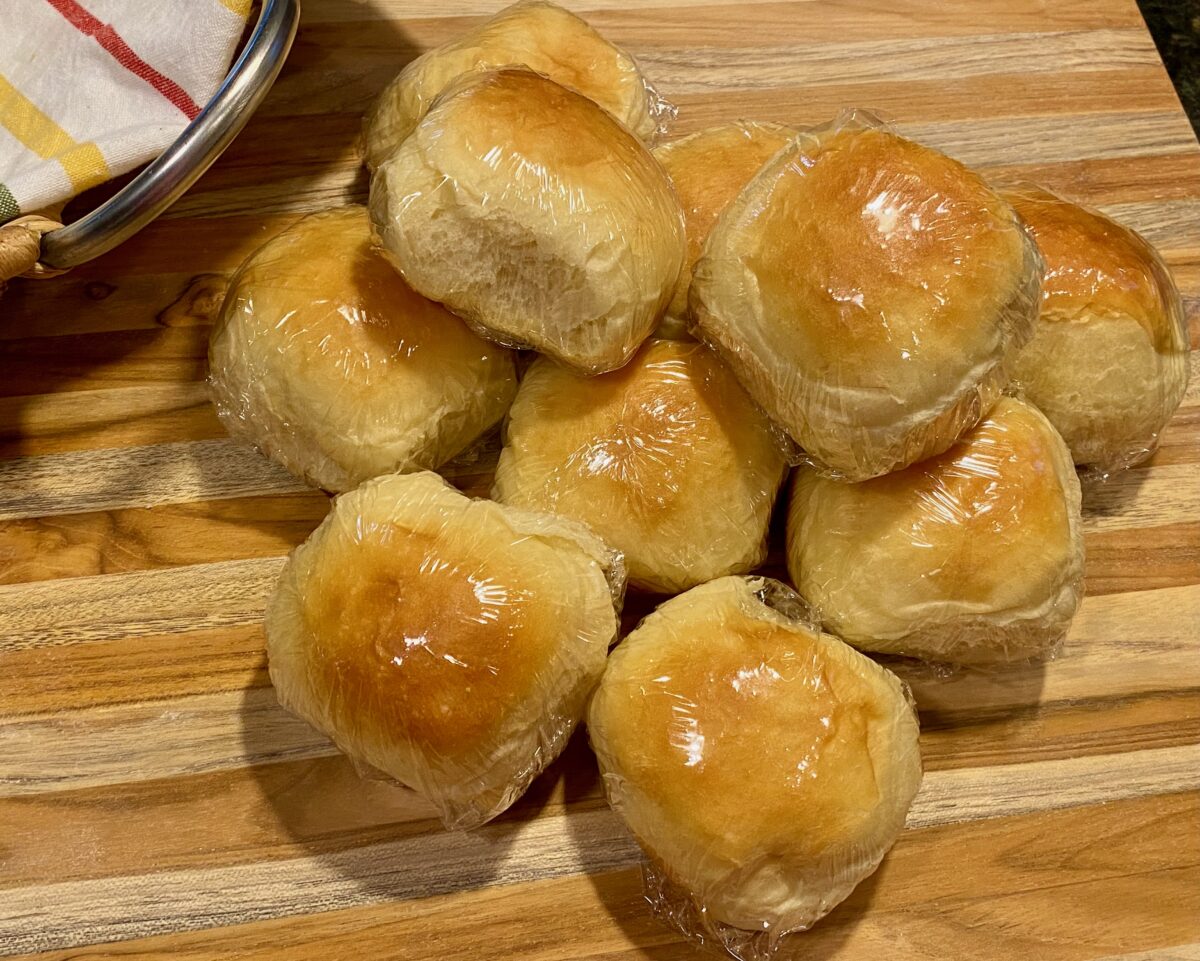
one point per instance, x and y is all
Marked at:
(532, 214)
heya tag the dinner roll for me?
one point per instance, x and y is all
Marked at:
(975, 556)
(764, 767)
(1108, 362)
(869, 293)
(325, 359)
(542, 36)
(532, 213)
(708, 170)
(450, 643)
(666, 459)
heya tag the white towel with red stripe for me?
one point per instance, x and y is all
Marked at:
(90, 89)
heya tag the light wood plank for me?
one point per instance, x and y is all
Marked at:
(955, 890)
(110, 479)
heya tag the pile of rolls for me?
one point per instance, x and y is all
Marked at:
(676, 337)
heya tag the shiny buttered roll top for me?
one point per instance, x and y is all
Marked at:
(535, 215)
(449, 643)
(667, 460)
(974, 556)
(329, 362)
(1108, 364)
(709, 169)
(541, 36)
(764, 767)
(870, 293)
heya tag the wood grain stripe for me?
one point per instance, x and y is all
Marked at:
(1059, 886)
(97, 480)
(168, 535)
(80, 609)
(643, 21)
(895, 60)
(584, 841)
(1172, 225)
(283, 809)
(97, 419)
(51, 750)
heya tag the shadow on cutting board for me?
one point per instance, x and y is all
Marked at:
(622, 895)
(372, 840)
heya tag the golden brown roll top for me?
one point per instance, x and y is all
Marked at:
(450, 643)
(974, 556)
(1108, 363)
(709, 169)
(529, 211)
(330, 363)
(539, 35)
(869, 293)
(765, 767)
(666, 459)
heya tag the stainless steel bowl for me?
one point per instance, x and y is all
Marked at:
(163, 181)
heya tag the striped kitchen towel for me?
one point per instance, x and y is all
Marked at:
(92, 88)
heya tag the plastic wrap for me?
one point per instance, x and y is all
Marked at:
(870, 293)
(541, 36)
(709, 169)
(972, 557)
(533, 214)
(666, 459)
(764, 767)
(326, 360)
(447, 642)
(1108, 364)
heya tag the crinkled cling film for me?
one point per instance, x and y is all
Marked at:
(533, 214)
(326, 360)
(709, 169)
(870, 293)
(535, 34)
(449, 643)
(667, 459)
(1108, 364)
(972, 557)
(765, 768)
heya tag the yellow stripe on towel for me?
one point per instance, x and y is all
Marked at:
(83, 162)
(240, 7)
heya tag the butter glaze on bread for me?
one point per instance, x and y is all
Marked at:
(330, 363)
(709, 169)
(870, 293)
(974, 556)
(533, 214)
(666, 460)
(1108, 363)
(541, 36)
(763, 766)
(447, 642)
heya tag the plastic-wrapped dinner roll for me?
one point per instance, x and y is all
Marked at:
(1108, 362)
(870, 293)
(450, 643)
(975, 556)
(542, 36)
(764, 767)
(666, 459)
(708, 170)
(325, 359)
(533, 214)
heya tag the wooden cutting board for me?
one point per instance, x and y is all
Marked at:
(153, 794)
